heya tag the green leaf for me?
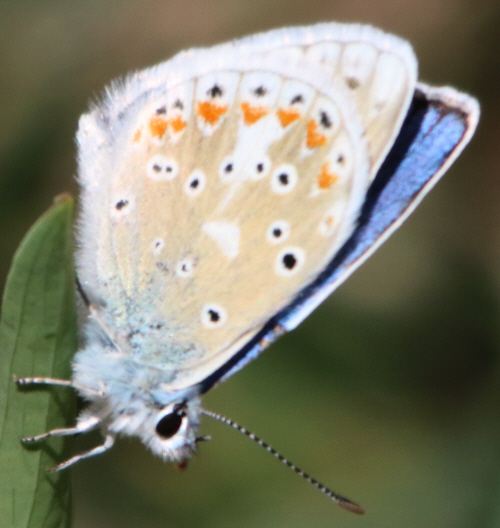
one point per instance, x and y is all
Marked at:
(38, 337)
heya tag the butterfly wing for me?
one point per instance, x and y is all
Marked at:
(221, 183)
(439, 124)
(379, 70)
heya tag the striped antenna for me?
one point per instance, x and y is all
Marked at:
(341, 501)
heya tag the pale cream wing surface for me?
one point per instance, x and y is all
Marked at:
(382, 83)
(220, 194)
(380, 70)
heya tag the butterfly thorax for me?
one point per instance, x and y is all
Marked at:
(133, 399)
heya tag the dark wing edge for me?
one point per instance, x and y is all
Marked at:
(439, 124)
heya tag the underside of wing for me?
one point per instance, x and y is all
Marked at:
(218, 185)
(439, 124)
(379, 70)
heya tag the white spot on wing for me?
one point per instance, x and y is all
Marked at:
(227, 169)
(297, 95)
(358, 63)
(158, 245)
(159, 168)
(388, 81)
(341, 156)
(284, 179)
(289, 261)
(195, 183)
(278, 231)
(260, 88)
(122, 205)
(226, 235)
(260, 168)
(326, 52)
(213, 316)
(184, 268)
(329, 223)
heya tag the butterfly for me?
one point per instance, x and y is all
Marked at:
(225, 194)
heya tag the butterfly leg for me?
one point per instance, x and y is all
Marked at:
(54, 381)
(107, 444)
(83, 426)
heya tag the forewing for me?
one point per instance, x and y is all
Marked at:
(220, 186)
(379, 70)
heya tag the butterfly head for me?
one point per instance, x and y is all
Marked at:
(171, 434)
(168, 431)
(137, 402)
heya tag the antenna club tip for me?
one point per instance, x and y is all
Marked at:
(351, 507)
(344, 503)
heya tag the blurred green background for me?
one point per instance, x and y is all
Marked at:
(389, 392)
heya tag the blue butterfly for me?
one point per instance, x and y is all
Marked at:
(225, 194)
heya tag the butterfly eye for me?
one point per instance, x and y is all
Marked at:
(170, 424)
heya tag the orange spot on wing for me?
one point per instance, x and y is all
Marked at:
(211, 112)
(137, 135)
(287, 116)
(157, 126)
(251, 114)
(177, 123)
(326, 178)
(314, 138)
